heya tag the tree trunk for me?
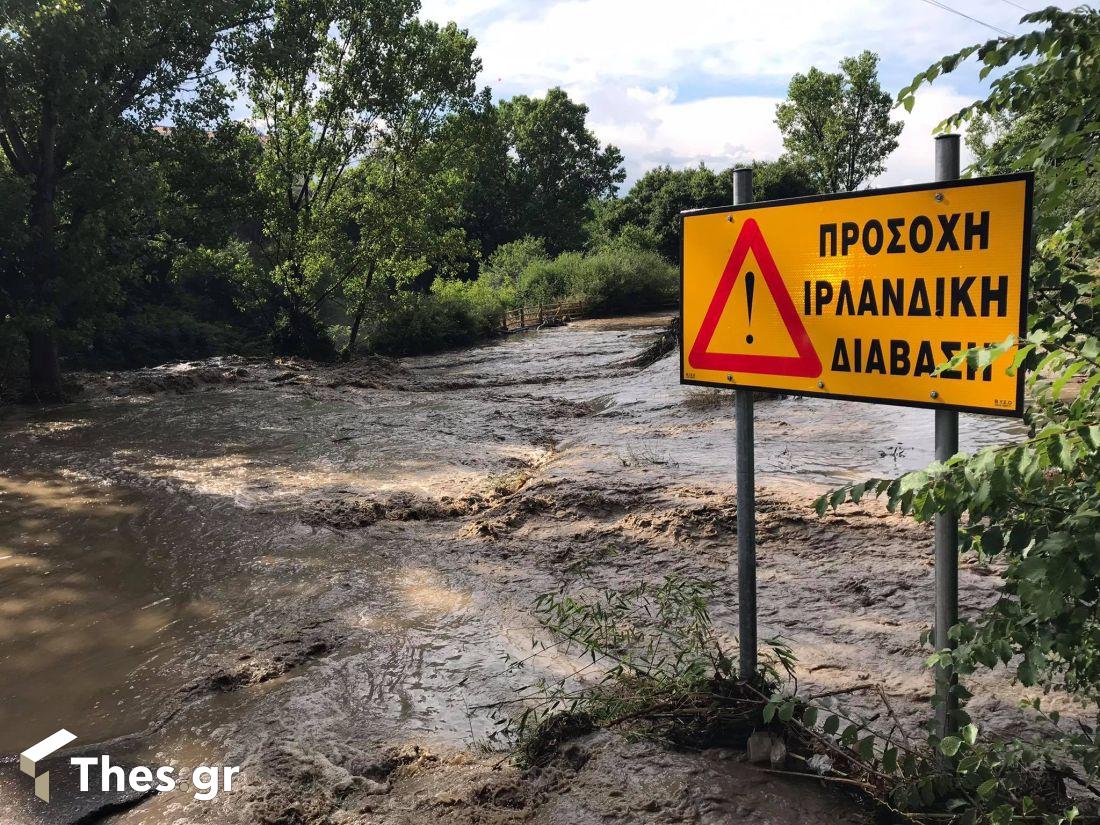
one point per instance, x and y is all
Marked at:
(360, 311)
(45, 367)
(349, 350)
(44, 364)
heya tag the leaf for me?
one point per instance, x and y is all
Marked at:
(809, 716)
(992, 541)
(890, 760)
(1065, 375)
(832, 725)
(950, 745)
(851, 733)
(969, 734)
(837, 497)
(866, 748)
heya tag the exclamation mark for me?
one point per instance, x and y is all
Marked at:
(750, 284)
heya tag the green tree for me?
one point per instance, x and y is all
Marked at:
(78, 82)
(654, 202)
(557, 167)
(489, 204)
(999, 140)
(783, 178)
(398, 219)
(206, 180)
(839, 123)
(339, 85)
(184, 298)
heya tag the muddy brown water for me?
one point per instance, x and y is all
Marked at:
(165, 576)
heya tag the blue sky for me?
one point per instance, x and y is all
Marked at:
(684, 81)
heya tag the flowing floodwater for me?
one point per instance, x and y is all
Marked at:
(281, 564)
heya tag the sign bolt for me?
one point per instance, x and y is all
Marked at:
(729, 377)
(729, 218)
(939, 197)
(935, 394)
(821, 385)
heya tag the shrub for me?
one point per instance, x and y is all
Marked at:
(623, 278)
(452, 314)
(504, 266)
(618, 278)
(543, 282)
(153, 335)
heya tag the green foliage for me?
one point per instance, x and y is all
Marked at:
(787, 177)
(623, 278)
(378, 171)
(1053, 70)
(654, 202)
(998, 141)
(532, 168)
(351, 96)
(1032, 507)
(557, 169)
(81, 83)
(650, 654)
(649, 657)
(613, 279)
(839, 124)
(546, 281)
(504, 266)
(154, 334)
(452, 314)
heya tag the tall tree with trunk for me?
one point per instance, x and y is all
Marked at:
(345, 90)
(77, 82)
(557, 168)
(839, 123)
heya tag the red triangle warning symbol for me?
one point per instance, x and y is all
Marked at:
(805, 364)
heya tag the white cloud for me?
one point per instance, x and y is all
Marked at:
(718, 131)
(725, 131)
(459, 10)
(912, 162)
(698, 80)
(562, 42)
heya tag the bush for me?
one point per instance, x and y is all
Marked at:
(154, 335)
(543, 282)
(452, 314)
(504, 266)
(625, 278)
(615, 279)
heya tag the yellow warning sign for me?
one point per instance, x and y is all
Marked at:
(861, 295)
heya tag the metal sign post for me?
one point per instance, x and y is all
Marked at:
(746, 496)
(947, 524)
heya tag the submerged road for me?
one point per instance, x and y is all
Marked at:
(317, 573)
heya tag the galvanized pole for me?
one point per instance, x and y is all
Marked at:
(947, 523)
(746, 496)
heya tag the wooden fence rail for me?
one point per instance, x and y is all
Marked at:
(528, 317)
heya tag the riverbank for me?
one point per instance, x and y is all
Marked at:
(317, 573)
